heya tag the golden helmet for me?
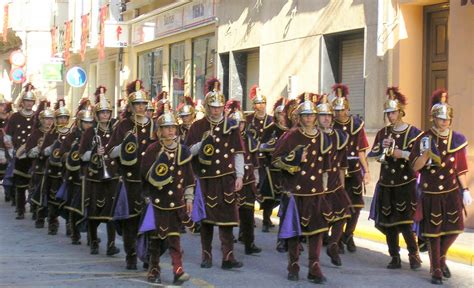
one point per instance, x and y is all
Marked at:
(307, 106)
(256, 95)
(279, 106)
(186, 107)
(323, 106)
(136, 93)
(47, 113)
(60, 109)
(85, 115)
(439, 105)
(101, 101)
(396, 101)
(340, 102)
(168, 118)
(150, 106)
(28, 92)
(213, 96)
(234, 110)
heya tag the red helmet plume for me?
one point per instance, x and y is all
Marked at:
(396, 94)
(212, 84)
(340, 90)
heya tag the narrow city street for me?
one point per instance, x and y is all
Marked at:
(31, 258)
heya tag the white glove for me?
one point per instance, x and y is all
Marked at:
(466, 197)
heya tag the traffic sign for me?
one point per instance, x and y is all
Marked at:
(17, 75)
(76, 77)
(17, 58)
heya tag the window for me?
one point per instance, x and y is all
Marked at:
(204, 51)
(177, 72)
(150, 70)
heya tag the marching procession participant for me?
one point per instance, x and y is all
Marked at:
(186, 112)
(358, 171)
(69, 151)
(259, 121)
(44, 121)
(150, 109)
(18, 129)
(440, 156)
(271, 186)
(247, 195)
(50, 149)
(394, 200)
(5, 111)
(129, 140)
(218, 163)
(300, 153)
(169, 185)
(101, 175)
(335, 193)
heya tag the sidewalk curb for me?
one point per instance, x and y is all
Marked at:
(457, 253)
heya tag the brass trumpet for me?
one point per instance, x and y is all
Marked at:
(387, 151)
(425, 145)
(98, 141)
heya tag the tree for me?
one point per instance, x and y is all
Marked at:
(13, 42)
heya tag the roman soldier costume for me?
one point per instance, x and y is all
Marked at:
(33, 146)
(356, 147)
(258, 123)
(186, 109)
(443, 167)
(300, 154)
(336, 195)
(127, 145)
(394, 200)
(218, 160)
(101, 175)
(5, 155)
(169, 185)
(74, 193)
(19, 129)
(248, 194)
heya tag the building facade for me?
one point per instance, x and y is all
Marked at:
(289, 47)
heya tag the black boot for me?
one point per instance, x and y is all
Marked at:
(154, 276)
(131, 262)
(282, 246)
(446, 272)
(180, 278)
(293, 276)
(316, 279)
(39, 223)
(229, 264)
(396, 263)
(437, 277)
(206, 264)
(94, 248)
(349, 241)
(252, 249)
(20, 216)
(112, 249)
(415, 261)
(332, 252)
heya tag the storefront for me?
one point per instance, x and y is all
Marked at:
(175, 50)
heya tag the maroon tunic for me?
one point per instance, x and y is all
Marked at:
(99, 192)
(357, 143)
(441, 198)
(336, 195)
(271, 182)
(131, 174)
(248, 194)
(304, 179)
(396, 198)
(19, 128)
(167, 198)
(218, 179)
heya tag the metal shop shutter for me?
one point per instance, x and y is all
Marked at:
(352, 73)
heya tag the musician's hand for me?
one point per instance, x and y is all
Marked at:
(387, 142)
(189, 207)
(397, 153)
(304, 155)
(100, 151)
(8, 145)
(367, 178)
(239, 183)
